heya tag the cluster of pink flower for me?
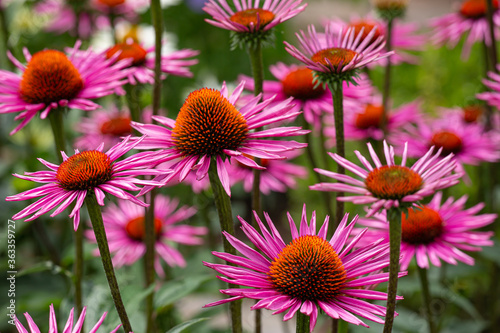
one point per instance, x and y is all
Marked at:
(228, 133)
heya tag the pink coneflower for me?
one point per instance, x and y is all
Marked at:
(493, 82)
(143, 62)
(404, 37)
(469, 143)
(51, 80)
(297, 81)
(68, 327)
(310, 272)
(250, 17)
(468, 20)
(366, 123)
(210, 127)
(125, 230)
(87, 172)
(278, 176)
(391, 185)
(435, 231)
(338, 52)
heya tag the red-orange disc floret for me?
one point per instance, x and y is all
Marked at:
(299, 84)
(421, 226)
(252, 16)
(450, 142)
(50, 77)
(112, 3)
(335, 56)
(128, 50)
(207, 124)
(367, 27)
(308, 269)
(119, 126)
(84, 171)
(393, 182)
(475, 8)
(472, 113)
(136, 228)
(371, 117)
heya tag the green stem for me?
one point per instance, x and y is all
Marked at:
(491, 31)
(338, 113)
(4, 36)
(387, 77)
(156, 15)
(102, 242)
(223, 205)
(302, 323)
(394, 218)
(132, 96)
(56, 118)
(422, 273)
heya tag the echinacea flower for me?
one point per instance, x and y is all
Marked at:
(435, 231)
(88, 172)
(314, 100)
(51, 80)
(307, 274)
(143, 61)
(469, 20)
(493, 82)
(125, 230)
(68, 327)
(391, 185)
(404, 37)
(337, 53)
(251, 16)
(468, 142)
(278, 176)
(209, 128)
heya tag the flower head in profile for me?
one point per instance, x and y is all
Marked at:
(90, 172)
(142, 69)
(468, 142)
(391, 185)
(469, 21)
(52, 79)
(307, 274)
(125, 230)
(404, 37)
(337, 55)
(209, 128)
(68, 327)
(314, 100)
(251, 18)
(390, 9)
(435, 231)
(278, 176)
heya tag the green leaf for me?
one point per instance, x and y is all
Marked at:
(45, 266)
(181, 327)
(177, 289)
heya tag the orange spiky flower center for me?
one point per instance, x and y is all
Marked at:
(475, 8)
(207, 124)
(393, 182)
(50, 77)
(128, 50)
(112, 3)
(84, 171)
(299, 84)
(371, 116)
(136, 228)
(450, 142)
(421, 226)
(472, 113)
(308, 269)
(253, 16)
(367, 27)
(118, 126)
(335, 56)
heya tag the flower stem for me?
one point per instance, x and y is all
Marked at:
(387, 77)
(302, 323)
(338, 114)
(223, 205)
(56, 118)
(394, 218)
(491, 31)
(422, 273)
(255, 53)
(102, 242)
